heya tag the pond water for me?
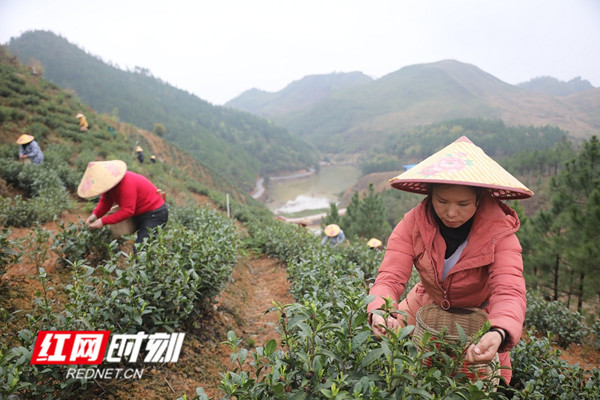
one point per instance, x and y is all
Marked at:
(311, 193)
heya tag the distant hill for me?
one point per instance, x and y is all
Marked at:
(297, 95)
(555, 87)
(238, 144)
(354, 118)
(30, 104)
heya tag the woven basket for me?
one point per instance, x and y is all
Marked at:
(125, 227)
(432, 318)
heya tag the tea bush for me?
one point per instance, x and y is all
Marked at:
(74, 242)
(9, 253)
(539, 373)
(17, 375)
(329, 351)
(554, 317)
(42, 185)
(328, 348)
(596, 332)
(37, 243)
(171, 277)
(19, 212)
(174, 274)
(56, 158)
(333, 355)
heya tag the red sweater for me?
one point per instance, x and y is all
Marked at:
(135, 195)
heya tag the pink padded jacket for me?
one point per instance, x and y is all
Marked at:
(488, 274)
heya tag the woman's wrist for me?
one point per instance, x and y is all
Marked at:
(503, 335)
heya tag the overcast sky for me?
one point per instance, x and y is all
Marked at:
(217, 49)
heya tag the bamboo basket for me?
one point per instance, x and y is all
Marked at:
(125, 227)
(432, 318)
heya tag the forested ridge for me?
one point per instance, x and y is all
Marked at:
(238, 144)
(355, 118)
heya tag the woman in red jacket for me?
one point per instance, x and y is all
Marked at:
(461, 240)
(136, 196)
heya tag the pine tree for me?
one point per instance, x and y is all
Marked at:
(580, 181)
(366, 218)
(565, 240)
(332, 216)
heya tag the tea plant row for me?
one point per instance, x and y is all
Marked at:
(327, 351)
(168, 282)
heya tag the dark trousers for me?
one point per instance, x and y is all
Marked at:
(150, 220)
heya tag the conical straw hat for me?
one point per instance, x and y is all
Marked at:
(374, 243)
(332, 230)
(462, 163)
(100, 177)
(138, 149)
(24, 139)
(79, 115)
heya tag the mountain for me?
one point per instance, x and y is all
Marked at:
(555, 87)
(353, 119)
(239, 145)
(297, 95)
(30, 104)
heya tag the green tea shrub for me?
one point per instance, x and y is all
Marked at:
(38, 130)
(366, 258)
(45, 189)
(175, 273)
(37, 179)
(18, 376)
(56, 158)
(71, 134)
(596, 332)
(5, 92)
(539, 373)
(3, 112)
(9, 251)
(554, 317)
(7, 152)
(19, 212)
(283, 241)
(31, 100)
(83, 158)
(10, 169)
(75, 241)
(329, 349)
(329, 352)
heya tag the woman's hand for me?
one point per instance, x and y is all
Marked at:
(90, 219)
(485, 350)
(93, 222)
(377, 322)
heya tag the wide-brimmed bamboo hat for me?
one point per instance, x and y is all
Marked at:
(374, 243)
(332, 230)
(79, 115)
(462, 163)
(24, 139)
(138, 149)
(101, 176)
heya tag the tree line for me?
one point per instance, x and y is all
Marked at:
(561, 242)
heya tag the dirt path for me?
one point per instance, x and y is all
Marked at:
(255, 284)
